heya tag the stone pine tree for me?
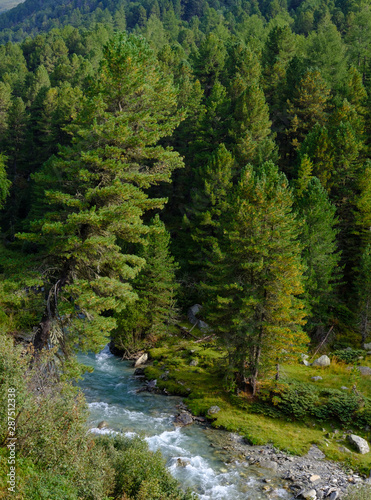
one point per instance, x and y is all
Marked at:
(153, 312)
(319, 249)
(318, 147)
(95, 197)
(256, 278)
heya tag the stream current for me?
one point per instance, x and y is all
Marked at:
(194, 454)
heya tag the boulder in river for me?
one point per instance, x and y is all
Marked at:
(102, 425)
(141, 360)
(323, 361)
(360, 443)
(184, 418)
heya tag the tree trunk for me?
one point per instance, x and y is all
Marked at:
(50, 314)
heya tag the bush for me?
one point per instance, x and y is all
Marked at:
(139, 473)
(299, 401)
(348, 355)
(51, 431)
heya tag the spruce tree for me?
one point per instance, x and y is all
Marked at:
(94, 196)
(210, 202)
(155, 309)
(319, 249)
(256, 277)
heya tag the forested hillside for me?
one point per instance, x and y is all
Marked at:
(158, 154)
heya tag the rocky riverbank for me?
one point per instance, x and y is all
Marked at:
(309, 477)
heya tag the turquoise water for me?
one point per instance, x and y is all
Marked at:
(205, 467)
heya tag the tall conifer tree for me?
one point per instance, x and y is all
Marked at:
(94, 196)
(319, 248)
(256, 277)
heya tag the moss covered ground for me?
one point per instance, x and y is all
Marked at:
(202, 387)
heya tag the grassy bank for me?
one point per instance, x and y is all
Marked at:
(305, 413)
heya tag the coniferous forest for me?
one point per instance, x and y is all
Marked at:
(158, 154)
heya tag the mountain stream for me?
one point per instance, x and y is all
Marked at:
(195, 454)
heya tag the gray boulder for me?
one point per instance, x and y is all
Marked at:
(360, 443)
(268, 464)
(309, 495)
(367, 347)
(191, 314)
(192, 311)
(184, 419)
(213, 409)
(364, 370)
(316, 379)
(323, 361)
(194, 362)
(141, 360)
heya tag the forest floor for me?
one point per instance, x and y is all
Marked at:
(195, 370)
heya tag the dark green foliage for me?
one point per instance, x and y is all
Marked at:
(87, 127)
(114, 158)
(155, 309)
(318, 238)
(363, 289)
(304, 401)
(348, 355)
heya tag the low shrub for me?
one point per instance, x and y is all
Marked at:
(299, 401)
(139, 473)
(348, 355)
